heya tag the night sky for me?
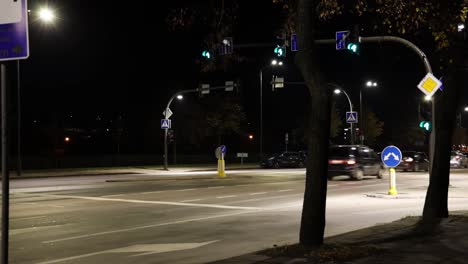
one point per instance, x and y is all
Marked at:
(105, 60)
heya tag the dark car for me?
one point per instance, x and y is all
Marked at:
(285, 159)
(414, 161)
(355, 161)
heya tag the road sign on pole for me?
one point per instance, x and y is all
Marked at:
(167, 113)
(14, 41)
(165, 123)
(229, 86)
(294, 42)
(429, 85)
(341, 37)
(351, 117)
(391, 156)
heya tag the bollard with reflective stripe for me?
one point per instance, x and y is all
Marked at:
(392, 178)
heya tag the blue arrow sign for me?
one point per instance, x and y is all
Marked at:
(294, 42)
(223, 149)
(341, 37)
(165, 123)
(391, 156)
(351, 117)
(14, 42)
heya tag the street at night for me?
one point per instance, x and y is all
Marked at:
(146, 218)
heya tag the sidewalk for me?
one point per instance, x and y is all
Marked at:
(404, 241)
(137, 170)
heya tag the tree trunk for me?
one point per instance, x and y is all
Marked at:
(315, 194)
(447, 102)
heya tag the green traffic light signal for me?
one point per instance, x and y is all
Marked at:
(206, 54)
(280, 51)
(426, 125)
(353, 47)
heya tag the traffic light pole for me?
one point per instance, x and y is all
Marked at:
(167, 117)
(427, 67)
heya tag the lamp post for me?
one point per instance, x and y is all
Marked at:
(273, 64)
(361, 113)
(338, 91)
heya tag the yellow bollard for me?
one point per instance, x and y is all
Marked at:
(221, 168)
(392, 178)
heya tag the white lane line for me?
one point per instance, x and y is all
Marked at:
(332, 185)
(259, 193)
(27, 218)
(150, 202)
(226, 196)
(184, 190)
(152, 192)
(25, 203)
(188, 201)
(216, 187)
(286, 190)
(146, 226)
(166, 224)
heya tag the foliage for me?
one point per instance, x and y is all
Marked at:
(336, 122)
(226, 118)
(373, 127)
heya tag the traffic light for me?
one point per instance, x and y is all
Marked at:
(426, 125)
(206, 54)
(354, 40)
(280, 51)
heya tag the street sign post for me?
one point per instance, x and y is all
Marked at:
(242, 156)
(167, 113)
(14, 45)
(391, 156)
(219, 153)
(165, 123)
(351, 117)
(14, 41)
(294, 42)
(429, 85)
(340, 37)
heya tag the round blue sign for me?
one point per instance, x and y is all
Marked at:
(223, 149)
(391, 156)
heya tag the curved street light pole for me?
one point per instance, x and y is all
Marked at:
(350, 108)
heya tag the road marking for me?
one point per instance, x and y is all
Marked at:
(286, 190)
(332, 185)
(26, 203)
(216, 187)
(184, 190)
(166, 224)
(194, 200)
(153, 192)
(150, 202)
(146, 249)
(227, 196)
(259, 193)
(27, 218)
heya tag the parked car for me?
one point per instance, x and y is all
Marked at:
(285, 159)
(414, 161)
(458, 160)
(355, 161)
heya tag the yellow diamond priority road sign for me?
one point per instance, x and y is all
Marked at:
(429, 84)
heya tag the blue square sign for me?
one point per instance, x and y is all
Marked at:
(351, 117)
(341, 37)
(165, 123)
(14, 41)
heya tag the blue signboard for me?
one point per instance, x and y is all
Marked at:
(341, 37)
(223, 149)
(294, 42)
(351, 117)
(165, 123)
(391, 156)
(14, 42)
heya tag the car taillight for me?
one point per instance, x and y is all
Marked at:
(351, 162)
(409, 160)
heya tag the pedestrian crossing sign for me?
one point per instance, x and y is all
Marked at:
(165, 123)
(351, 117)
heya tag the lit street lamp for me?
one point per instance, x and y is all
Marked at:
(361, 113)
(46, 15)
(338, 91)
(273, 63)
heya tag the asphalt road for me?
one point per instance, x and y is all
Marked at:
(198, 219)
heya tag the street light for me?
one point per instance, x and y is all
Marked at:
(273, 64)
(427, 98)
(46, 15)
(361, 113)
(466, 109)
(338, 91)
(180, 97)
